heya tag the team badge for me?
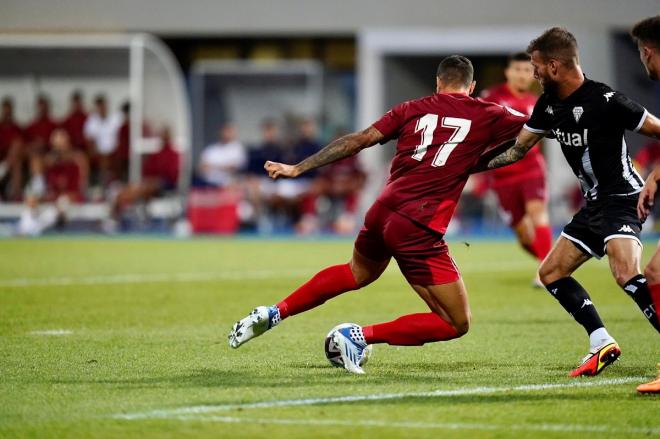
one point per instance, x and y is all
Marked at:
(608, 96)
(548, 110)
(577, 113)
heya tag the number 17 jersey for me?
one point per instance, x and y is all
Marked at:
(440, 138)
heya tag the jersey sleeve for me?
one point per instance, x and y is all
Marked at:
(540, 122)
(507, 125)
(624, 110)
(390, 124)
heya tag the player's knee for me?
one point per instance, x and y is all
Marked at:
(623, 272)
(462, 325)
(362, 275)
(652, 274)
(550, 272)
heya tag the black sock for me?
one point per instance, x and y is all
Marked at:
(638, 289)
(576, 302)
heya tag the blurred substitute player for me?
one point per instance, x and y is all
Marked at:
(521, 188)
(589, 120)
(440, 139)
(646, 34)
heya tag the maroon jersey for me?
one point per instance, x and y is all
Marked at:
(532, 164)
(10, 133)
(440, 139)
(74, 124)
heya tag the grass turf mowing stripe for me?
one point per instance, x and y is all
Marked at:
(139, 278)
(206, 409)
(546, 427)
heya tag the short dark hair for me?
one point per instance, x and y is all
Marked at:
(455, 70)
(43, 98)
(647, 31)
(557, 43)
(519, 56)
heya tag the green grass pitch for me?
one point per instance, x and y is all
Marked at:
(127, 339)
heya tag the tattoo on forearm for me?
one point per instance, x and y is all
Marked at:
(338, 149)
(511, 155)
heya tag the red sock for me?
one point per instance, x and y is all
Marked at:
(529, 248)
(410, 330)
(325, 285)
(655, 297)
(542, 242)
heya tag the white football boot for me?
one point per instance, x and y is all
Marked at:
(260, 320)
(351, 345)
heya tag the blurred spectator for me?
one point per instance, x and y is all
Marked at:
(648, 157)
(306, 145)
(259, 188)
(59, 176)
(121, 156)
(270, 148)
(332, 201)
(160, 174)
(341, 183)
(101, 129)
(221, 161)
(38, 132)
(64, 171)
(294, 198)
(74, 122)
(11, 150)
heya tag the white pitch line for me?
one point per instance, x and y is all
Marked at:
(52, 332)
(564, 428)
(207, 409)
(139, 278)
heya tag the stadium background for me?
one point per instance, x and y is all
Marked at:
(194, 67)
(114, 323)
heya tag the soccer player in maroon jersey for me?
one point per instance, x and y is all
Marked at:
(441, 138)
(646, 34)
(520, 187)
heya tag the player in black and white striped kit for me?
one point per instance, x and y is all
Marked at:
(589, 120)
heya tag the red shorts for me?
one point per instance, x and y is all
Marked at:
(422, 254)
(513, 197)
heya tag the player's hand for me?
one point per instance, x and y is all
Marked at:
(646, 198)
(276, 170)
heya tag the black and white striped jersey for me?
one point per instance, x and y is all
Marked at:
(590, 125)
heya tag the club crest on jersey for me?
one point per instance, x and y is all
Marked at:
(577, 113)
(608, 96)
(548, 110)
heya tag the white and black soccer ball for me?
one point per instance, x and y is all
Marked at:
(332, 350)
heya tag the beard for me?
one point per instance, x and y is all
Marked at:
(549, 86)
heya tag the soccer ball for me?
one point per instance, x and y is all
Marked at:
(332, 350)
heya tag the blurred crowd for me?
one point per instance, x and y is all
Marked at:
(81, 157)
(317, 202)
(51, 164)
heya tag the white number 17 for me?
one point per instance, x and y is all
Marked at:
(427, 125)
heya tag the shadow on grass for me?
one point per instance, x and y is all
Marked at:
(302, 375)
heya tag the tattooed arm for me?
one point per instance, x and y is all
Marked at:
(343, 147)
(525, 141)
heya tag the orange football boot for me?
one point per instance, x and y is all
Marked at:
(652, 386)
(597, 360)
